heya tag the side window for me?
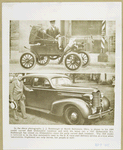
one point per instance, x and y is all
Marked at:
(27, 81)
(41, 82)
(36, 82)
(46, 83)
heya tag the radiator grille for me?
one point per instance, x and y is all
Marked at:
(96, 99)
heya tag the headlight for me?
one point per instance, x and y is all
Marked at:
(91, 97)
(101, 95)
(88, 96)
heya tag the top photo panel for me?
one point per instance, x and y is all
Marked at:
(60, 46)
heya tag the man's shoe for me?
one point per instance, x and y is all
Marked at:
(24, 117)
(16, 118)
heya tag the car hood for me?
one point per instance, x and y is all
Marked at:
(77, 89)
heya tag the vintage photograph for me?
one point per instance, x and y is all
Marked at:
(62, 99)
(55, 46)
(61, 75)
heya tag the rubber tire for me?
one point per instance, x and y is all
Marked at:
(72, 53)
(87, 61)
(33, 58)
(80, 120)
(44, 64)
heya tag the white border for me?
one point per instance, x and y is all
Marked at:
(60, 11)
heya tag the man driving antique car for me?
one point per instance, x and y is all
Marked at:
(53, 32)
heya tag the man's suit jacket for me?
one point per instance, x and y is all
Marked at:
(17, 89)
(52, 32)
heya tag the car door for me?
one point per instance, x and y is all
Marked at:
(43, 94)
(29, 94)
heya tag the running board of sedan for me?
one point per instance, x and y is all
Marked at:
(38, 109)
(100, 115)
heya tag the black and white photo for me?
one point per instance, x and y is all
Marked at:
(61, 75)
(84, 45)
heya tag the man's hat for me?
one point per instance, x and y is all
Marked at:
(52, 21)
(12, 104)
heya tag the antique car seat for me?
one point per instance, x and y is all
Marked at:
(47, 46)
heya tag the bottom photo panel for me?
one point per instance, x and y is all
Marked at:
(62, 99)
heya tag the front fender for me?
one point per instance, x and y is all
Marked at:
(105, 103)
(58, 107)
(64, 53)
(82, 51)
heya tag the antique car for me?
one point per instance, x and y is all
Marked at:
(43, 47)
(55, 94)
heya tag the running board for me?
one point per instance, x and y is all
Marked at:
(38, 109)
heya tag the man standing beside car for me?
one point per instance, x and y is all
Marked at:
(18, 97)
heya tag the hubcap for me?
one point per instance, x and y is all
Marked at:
(74, 116)
(27, 61)
(73, 62)
(42, 59)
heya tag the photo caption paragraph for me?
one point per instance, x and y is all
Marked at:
(60, 133)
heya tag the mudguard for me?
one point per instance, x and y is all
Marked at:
(58, 107)
(30, 51)
(64, 53)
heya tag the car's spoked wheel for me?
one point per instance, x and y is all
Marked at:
(73, 116)
(28, 60)
(85, 59)
(43, 60)
(54, 57)
(72, 61)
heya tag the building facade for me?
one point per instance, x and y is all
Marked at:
(87, 31)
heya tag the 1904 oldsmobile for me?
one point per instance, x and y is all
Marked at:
(43, 47)
(55, 94)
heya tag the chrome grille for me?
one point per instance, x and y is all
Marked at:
(96, 102)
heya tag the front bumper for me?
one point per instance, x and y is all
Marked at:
(101, 114)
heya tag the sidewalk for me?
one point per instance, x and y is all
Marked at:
(15, 57)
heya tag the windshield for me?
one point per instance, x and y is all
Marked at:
(61, 81)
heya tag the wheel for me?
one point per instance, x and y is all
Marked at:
(43, 60)
(54, 57)
(28, 60)
(72, 61)
(85, 59)
(73, 116)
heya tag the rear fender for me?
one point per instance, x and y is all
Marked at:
(31, 52)
(35, 53)
(28, 50)
(58, 107)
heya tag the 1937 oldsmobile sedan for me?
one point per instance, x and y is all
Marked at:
(55, 94)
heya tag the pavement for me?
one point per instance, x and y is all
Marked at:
(54, 67)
